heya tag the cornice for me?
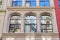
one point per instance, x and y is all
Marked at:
(30, 8)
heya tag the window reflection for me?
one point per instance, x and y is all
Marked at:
(46, 23)
(15, 22)
(30, 23)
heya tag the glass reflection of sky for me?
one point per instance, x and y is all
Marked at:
(30, 19)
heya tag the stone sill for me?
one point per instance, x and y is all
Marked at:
(23, 35)
(9, 7)
(30, 8)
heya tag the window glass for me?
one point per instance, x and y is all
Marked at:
(31, 3)
(30, 23)
(46, 23)
(17, 3)
(44, 2)
(15, 22)
(41, 3)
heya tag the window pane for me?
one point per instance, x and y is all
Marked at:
(33, 3)
(46, 3)
(46, 23)
(14, 3)
(41, 3)
(31, 21)
(49, 27)
(27, 28)
(33, 28)
(14, 28)
(15, 17)
(15, 22)
(17, 3)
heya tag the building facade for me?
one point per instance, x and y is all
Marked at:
(29, 20)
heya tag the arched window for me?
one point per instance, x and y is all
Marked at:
(44, 3)
(30, 24)
(46, 23)
(16, 2)
(15, 22)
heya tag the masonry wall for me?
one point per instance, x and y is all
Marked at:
(2, 15)
(8, 9)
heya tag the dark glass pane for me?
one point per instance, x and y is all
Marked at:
(14, 3)
(33, 28)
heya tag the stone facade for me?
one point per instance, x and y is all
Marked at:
(7, 9)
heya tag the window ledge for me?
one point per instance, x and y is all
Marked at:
(22, 35)
(29, 7)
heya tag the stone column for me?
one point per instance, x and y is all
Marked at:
(8, 3)
(37, 2)
(6, 23)
(38, 23)
(22, 23)
(51, 3)
(23, 3)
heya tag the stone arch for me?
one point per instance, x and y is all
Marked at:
(30, 16)
(47, 13)
(30, 13)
